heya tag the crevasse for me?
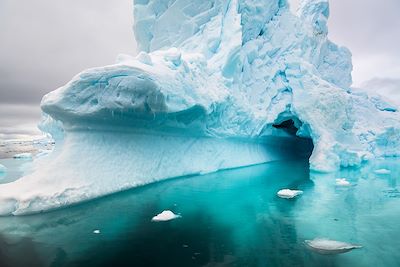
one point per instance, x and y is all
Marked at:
(217, 84)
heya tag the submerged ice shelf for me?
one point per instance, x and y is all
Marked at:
(217, 84)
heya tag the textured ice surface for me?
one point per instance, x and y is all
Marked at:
(217, 84)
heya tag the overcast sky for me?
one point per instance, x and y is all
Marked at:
(43, 43)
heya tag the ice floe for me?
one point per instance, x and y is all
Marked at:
(164, 216)
(329, 247)
(288, 193)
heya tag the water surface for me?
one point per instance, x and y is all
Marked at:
(229, 218)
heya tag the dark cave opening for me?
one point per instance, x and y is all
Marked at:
(301, 143)
(288, 126)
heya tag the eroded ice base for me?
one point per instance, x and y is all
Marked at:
(131, 160)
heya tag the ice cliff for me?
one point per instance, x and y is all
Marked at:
(217, 84)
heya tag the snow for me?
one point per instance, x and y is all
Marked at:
(212, 80)
(330, 247)
(342, 182)
(164, 216)
(288, 193)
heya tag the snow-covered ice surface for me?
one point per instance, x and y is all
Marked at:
(217, 84)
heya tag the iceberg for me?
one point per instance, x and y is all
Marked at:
(217, 84)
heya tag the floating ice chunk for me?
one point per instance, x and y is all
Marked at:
(288, 193)
(164, 216)
(342, 182)
(23, 156)
(97, 231)
(382, 171)
(3, 169)
(329, 247)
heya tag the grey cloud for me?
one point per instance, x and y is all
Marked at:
(386, 87)
(18, 120)
(44, 43)
(370, 29)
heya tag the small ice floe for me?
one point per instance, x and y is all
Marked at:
(97, 231)
(164, 216)
(342, 182)
(382, 171)
(3, 169)
(288, 193)
(23, 156)
(329, 247)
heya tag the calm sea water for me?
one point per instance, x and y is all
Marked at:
(229, 218)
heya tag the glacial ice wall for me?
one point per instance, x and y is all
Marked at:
(211, 83)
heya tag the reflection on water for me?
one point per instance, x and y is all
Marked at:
(229, 218)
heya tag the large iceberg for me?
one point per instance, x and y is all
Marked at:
(217, 84)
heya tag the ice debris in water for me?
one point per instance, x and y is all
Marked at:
(3, 169)
(342, 182)
(166, 215)
(382, 171)
(329, 247)
(23, 156)
(288, 193)
(97, 231)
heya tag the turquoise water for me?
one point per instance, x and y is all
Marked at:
(229, 218)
